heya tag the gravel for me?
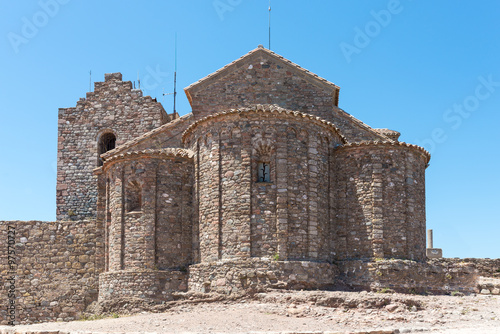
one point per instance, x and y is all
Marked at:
(306, 311)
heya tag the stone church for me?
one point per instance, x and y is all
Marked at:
(266, 183)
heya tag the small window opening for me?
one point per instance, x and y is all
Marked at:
(133, 197)
(264, 172)
(106, 143)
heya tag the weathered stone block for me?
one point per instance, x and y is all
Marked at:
(434, 253)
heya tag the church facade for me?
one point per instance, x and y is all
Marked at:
(266, 183)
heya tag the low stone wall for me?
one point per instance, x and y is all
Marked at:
(255, 274)
(149, 285)
(48, 270)
(53, 269)
(407, 276)
(488, 271)
(485, 267)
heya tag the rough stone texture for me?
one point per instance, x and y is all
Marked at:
(434, 253)
(263, 77)
(380, 201)
(410, 276)
(487, 286)
(241, 217)
(254, 274)
(248, 82)
(166, 136)
(488, 271)
(183, 195)
(113, 107)
(148, 223)
(56, 272)
(485, 267)
(150, 285)
(148, 210)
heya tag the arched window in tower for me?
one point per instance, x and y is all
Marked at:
(106, 143)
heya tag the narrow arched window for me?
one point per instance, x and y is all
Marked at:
(264, 172)
(106, 143)
(133, 197)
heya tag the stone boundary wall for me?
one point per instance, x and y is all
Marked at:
(485, 267)
(407, 276)
(155, 285)
(55, 269)
(488, 271)
(257, 274)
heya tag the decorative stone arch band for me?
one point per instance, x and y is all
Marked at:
(265, 111)
(381, 193)
(161, 153)
(416, 148)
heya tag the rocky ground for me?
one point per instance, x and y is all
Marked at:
(302, 312)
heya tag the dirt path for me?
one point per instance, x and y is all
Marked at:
(308, 311)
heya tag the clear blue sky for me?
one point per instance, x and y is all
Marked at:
(429, 69)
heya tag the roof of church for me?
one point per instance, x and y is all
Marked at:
(164, 152)
(388, 132)
(383, 134)
(266, 108)
(145, 136)
(393, 143)
(259, 50)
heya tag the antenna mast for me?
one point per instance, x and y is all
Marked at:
(175, 73)
(269, 24)
(175, 77)
(90, 81)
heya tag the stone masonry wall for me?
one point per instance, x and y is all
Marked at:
(380, 201)
(485, 267)
(265, 78)
(262, 79)
(149, 210)
(287, 217)
(174, 227)
(149, 285)
(55, 272)
(166, 136)
(113, 107)
(488, 271)
(410, 276)
(230, 276)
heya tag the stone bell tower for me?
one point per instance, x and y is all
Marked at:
(111, 115)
